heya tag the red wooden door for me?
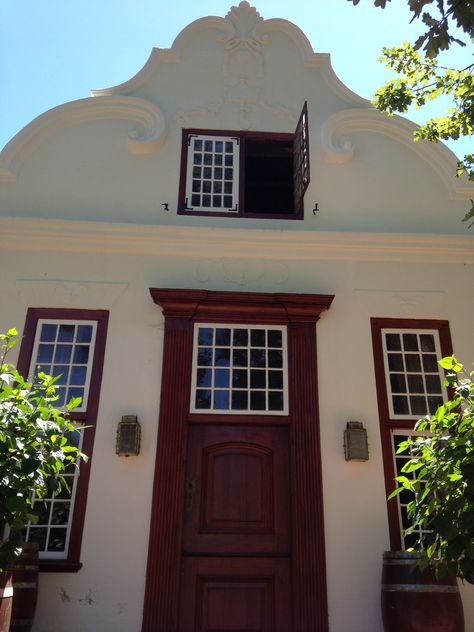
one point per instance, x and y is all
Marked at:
(227, 553)
(236, 533)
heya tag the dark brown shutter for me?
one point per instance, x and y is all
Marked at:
(301, 174)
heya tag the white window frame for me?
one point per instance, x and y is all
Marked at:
(63, 555)
(405, 432)
(74, 477)
(91, 344)
(387, 371)
(233, 411)
(234, 208)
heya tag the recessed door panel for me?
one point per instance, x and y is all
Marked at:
(236, 498)
(235, 595)
(237, 481)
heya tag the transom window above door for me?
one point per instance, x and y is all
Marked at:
(246, 174)
(239, 369)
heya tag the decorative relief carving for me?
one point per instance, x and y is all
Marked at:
(210, 111)
(242, 273)
(243, 72)
(244, 36)
(337, 148)
(152, 132)
(404, 303)
(70, 293)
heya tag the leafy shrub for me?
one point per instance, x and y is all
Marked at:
(441, 478)
(35, 447)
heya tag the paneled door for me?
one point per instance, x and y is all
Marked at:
(236, 534)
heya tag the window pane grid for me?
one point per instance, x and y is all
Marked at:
(413, 377)
(212, 173)
(53, 529)
(239, 369)
(64, 349)
(301, 156)
(399, 460)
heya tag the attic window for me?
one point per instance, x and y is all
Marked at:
(249, 174)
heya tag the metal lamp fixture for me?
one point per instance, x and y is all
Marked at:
(127, 442)
(356, 446)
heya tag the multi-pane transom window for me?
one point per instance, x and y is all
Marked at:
(239, 369)
(399, 460)
(64, 349)
(213, 174)
(53, 529)
(413, 377)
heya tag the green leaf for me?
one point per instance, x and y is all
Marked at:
(451, 364)
(73, 403)
(412, 466)
(395, 493)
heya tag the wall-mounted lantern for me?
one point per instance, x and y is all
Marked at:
(127, 441)
(356, 446)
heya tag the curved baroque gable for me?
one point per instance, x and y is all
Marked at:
(242, 30)
(238, 72)
(338, 148)
(146, 120)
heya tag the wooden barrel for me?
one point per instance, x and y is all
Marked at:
(415, 601)
(25, 588)
(6, 594)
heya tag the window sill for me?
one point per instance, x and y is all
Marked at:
(269, 216)
(58, 566)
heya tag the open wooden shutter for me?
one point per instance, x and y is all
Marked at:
(301, 174)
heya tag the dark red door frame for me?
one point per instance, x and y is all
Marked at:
(300, 312)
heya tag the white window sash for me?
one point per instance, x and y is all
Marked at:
(443, 394)
(91, 345)
(233, 208)
(405, 456)
(230, 410)
(72, 479)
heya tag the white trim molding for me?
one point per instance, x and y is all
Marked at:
(146, 118)
(338, 147)
(38, 235)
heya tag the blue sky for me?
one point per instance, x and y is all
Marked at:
(53, 51)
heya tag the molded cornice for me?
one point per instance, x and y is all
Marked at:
(41, 235)
(338, 148)
(208, 306)
(146, 119)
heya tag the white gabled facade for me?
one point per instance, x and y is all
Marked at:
(90, 219)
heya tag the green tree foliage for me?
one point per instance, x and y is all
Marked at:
(421, 78)
(440, 475)
(35, 447)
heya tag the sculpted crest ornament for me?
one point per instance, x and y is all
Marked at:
(242, 71)
(244, 20)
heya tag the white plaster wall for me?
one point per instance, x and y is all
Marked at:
(379, 197)
(107, 593)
